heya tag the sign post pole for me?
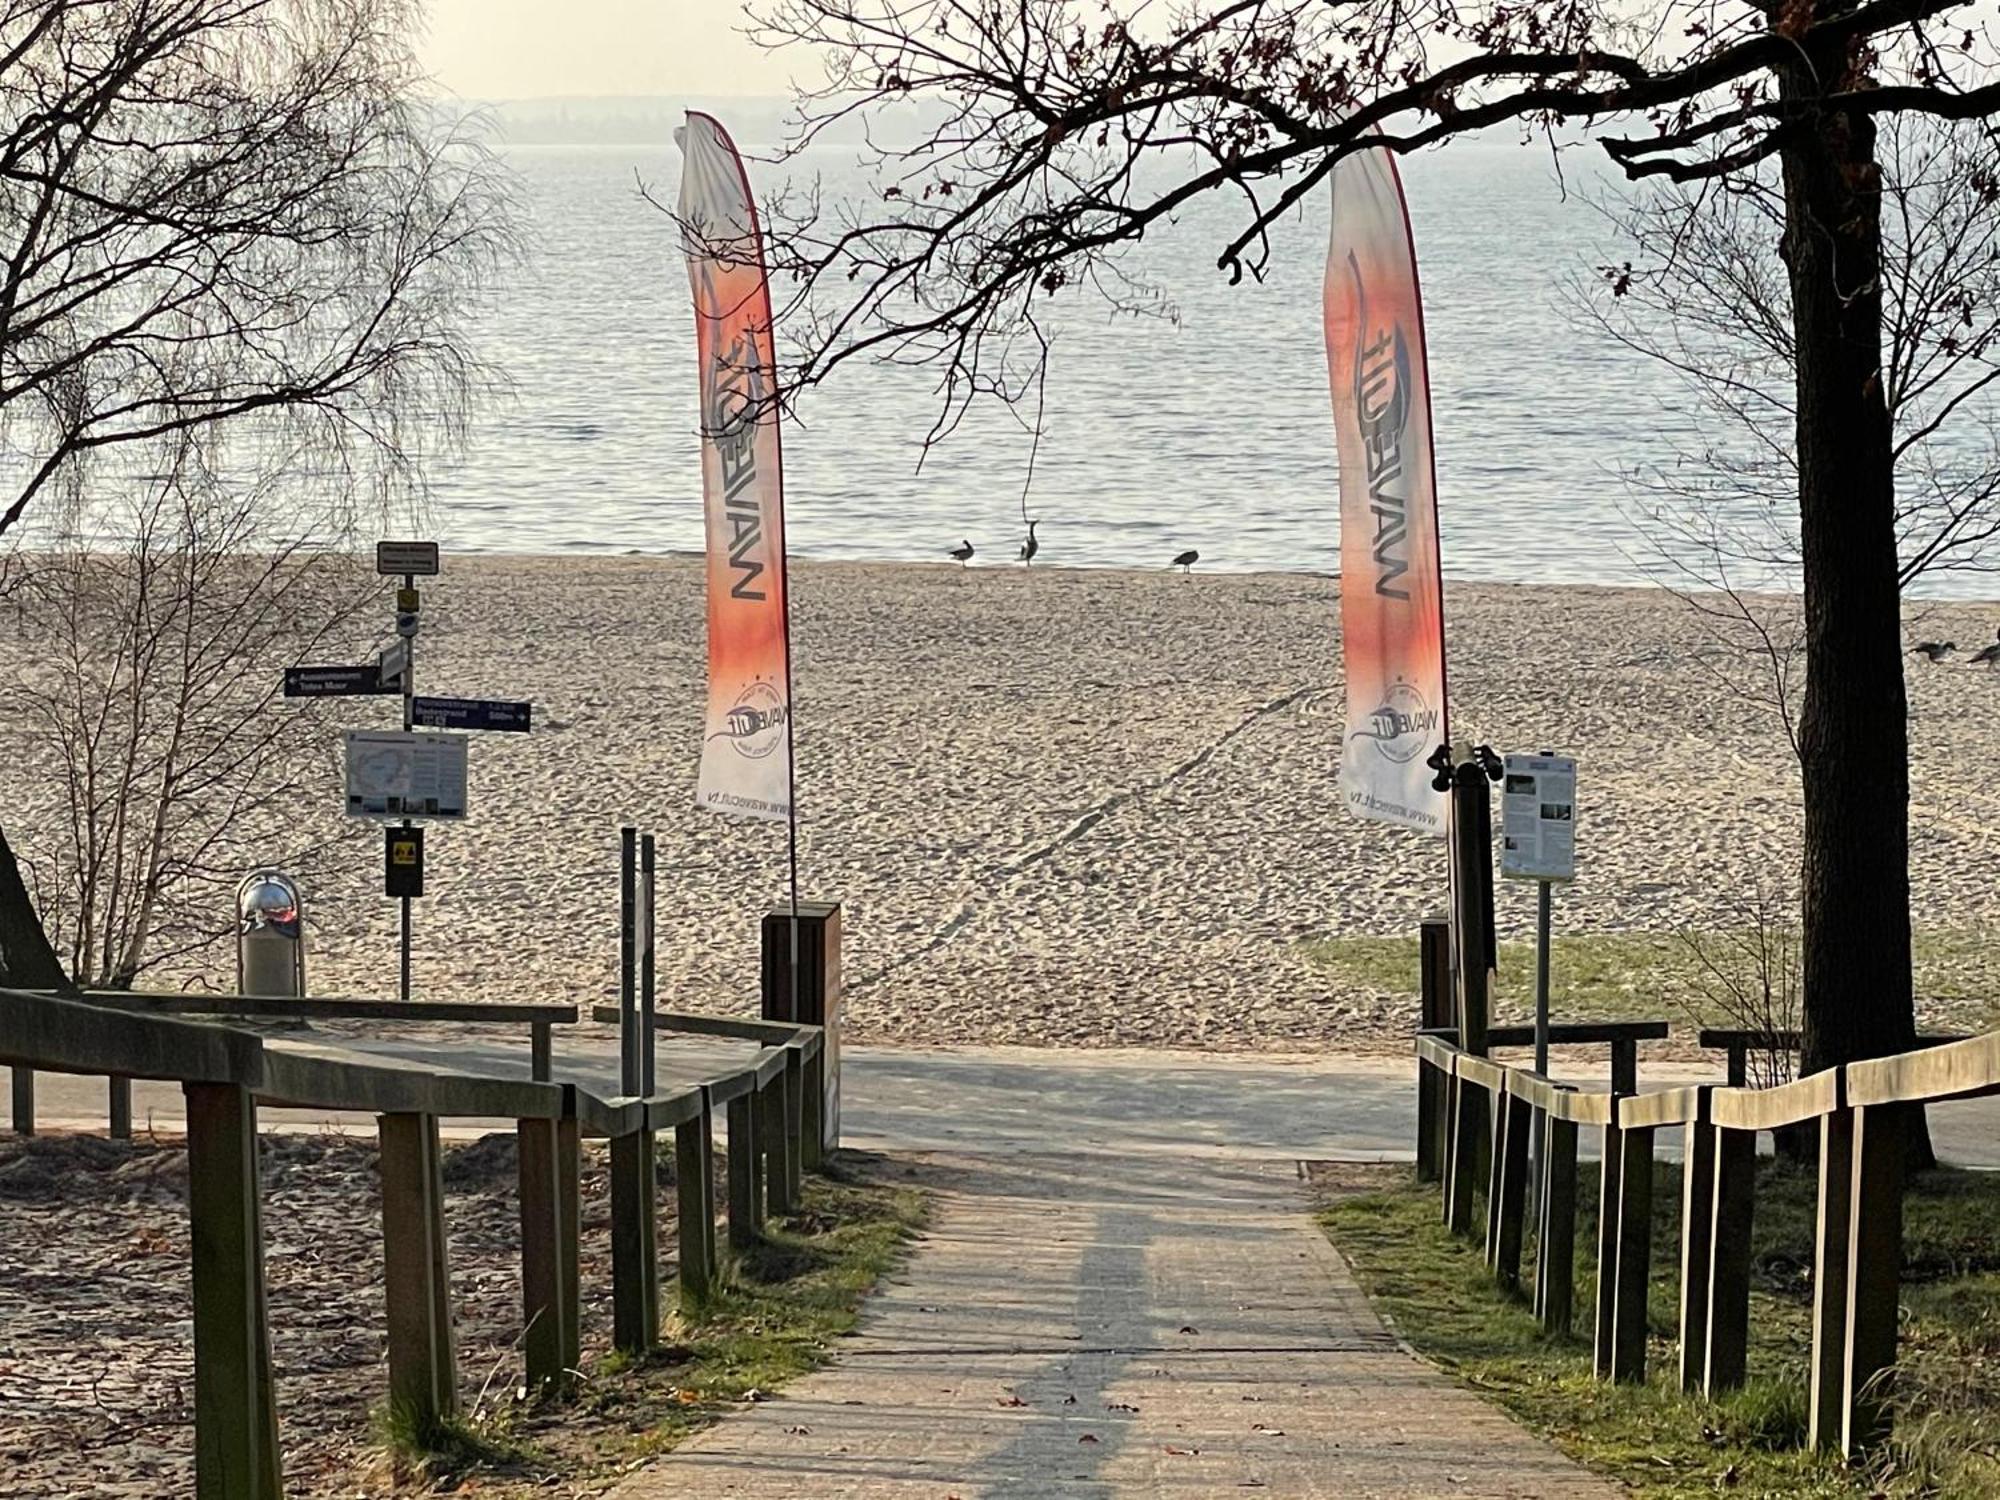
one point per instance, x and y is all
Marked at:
(409, 695)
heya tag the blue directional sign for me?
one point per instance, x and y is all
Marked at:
(470, 713)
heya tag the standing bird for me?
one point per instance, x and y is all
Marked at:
(1185, 561)
(1934, 651)
(1030, 547)
(1989, 654)
(963, 552)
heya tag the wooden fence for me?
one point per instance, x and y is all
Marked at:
(773, 1104)
(1861, 1109)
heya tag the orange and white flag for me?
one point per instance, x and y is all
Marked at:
(1391, 594)
(746, 755)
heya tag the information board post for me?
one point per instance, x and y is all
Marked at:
(409, 700)
(1538, 843)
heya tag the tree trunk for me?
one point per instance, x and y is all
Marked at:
(27, 962)
(1854, 723)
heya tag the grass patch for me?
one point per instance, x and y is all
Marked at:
(1437, 1291)
(774, 1318)
(1649, 975)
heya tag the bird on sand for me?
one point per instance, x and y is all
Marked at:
(1990, 654)
(1935, 651)
(1185, 561)
(963, 552)
(1030, 547)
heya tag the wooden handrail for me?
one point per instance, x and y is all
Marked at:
(331, 1008)
(1953, 1070)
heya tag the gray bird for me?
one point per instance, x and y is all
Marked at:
(963, 552)
(1989, 654)
(1186, 560)
(1030, 547)
(1934, 651)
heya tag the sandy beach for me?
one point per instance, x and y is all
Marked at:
(1079, 808)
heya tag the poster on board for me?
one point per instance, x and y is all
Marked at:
(397, 774)
(1538, 818)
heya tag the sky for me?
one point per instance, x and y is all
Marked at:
(528, 49)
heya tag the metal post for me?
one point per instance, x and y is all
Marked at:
(409, 723)
(631, 1071)
(1540, 1141)
(647, 968)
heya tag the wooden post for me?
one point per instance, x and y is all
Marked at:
(694, 1200)
(1635, 1256)
(541, 1052)
(24, 1101)
(1471, 851)
(1513, 1174)
(795, 1121)
(813, 1128)
(1830, 1240)
(634, 1249)
(1875, 1254)
(1434, 966)
(746, 1217)
(1727, 1341)
(1448, 1137)
(121, 1108)
(1697, 1242)
(776, 1143)
(423, 1385)
(1625, 1066)
(1555, 1250)
(1607, 1250)
(236, 1413)
(1468, 1112)
(543, 1342)
(814, 998)
(1496, 1167)
(569, 1230)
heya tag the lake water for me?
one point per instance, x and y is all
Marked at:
(1212, 431)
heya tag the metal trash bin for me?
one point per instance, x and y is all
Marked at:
(270, 938)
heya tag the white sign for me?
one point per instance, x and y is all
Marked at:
(393, 774)
(1538, 818)
(414, 558)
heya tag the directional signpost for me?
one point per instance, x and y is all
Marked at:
(398, 777)
(472, 713)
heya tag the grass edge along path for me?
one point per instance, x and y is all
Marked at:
(1437, 1294)
(775, 1318)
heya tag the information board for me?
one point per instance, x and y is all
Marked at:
(1538, 818)
(393, 774)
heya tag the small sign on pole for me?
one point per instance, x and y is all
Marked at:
(412, 559)
(471, 713)
(391, 665)
(1538, 818)
(391, 774)
(403, 862)
(335, 682)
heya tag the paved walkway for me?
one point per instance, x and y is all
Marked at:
(1097, 1327)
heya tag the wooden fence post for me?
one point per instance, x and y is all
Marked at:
(543, 1340)
(24, 1101)
(236, 1414)
(1468, 1110)
(1513, 1175)
(1611, 1168)
(1875, 1255)
(1434, 967)
(1697, 1242)
(1726, 1343)
(1830, 1240)
(695, 1201)
(795, 1133)
(1635, 1255)
(1555, 1249)
(1448, 1088)
(776, 1143)
(569, 1229)
(635, 1324)
(813, 1127)
(423, 1383)
(120, 1108)
(1496, 1167)
(746, 1216)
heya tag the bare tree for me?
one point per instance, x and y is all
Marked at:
(153, 638)
(1702, 294)
(1048, 134)
(233, 220)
